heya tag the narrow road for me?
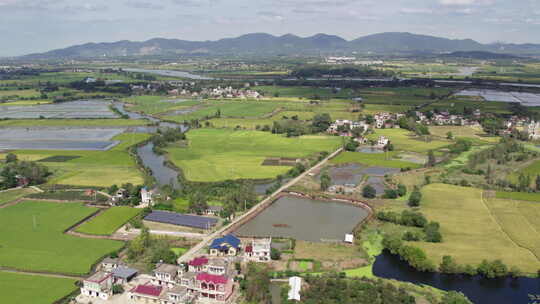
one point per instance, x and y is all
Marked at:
(192, 253)
(43, 274)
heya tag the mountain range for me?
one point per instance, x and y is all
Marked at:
(266, 44)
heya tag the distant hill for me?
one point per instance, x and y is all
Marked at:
(266, 44)
(481, 55)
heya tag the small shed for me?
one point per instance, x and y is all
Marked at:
(295, 284)
(349, 238)
(123, 275)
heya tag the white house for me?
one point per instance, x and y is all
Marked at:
(259, 250)
(98, 285)
(349, 238)
(147, 196)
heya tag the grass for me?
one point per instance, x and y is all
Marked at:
(304, 92)
(470, 232)
(90, 168)
(514, 218)
(373, 159)
(473, 132)
(33, 238)
(521, 196)
(246, 123)
(407, 141)
(11, 195)
(228, 109)
(33, 289)
(219, 154)
(463, 158)
(531, 170)
(179, 251)
(26, 102)
(377, 108)
(72, 122)
(151, 104)
(19, 93)
(109, 221)
(324, 251)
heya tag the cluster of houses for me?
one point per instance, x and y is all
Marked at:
(204, 279)
(515, 123)
(218, 92)
(444, 118)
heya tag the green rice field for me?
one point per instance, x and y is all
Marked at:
(33, 289)
(33, 238)
(11, 195)
(407, 141)
(109, 221)
(220, 154)
(91, 166)
(520, 196)
(372, 159)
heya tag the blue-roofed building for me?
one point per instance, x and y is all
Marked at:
(226, 245)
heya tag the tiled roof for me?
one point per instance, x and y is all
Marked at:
(148, 290)
(124, 272)
(249, 248)
(223, 243)
(167, 268)
(210, 278)
(99, 277)
(200, 261)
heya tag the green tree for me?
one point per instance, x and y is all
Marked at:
(321, 122)
(454, 297)
(326, 181)
(275, 254)
(11, 158)
(449, 135)
(198, 202)
(369, 192)
(431, 159)
(415, 198)
(401, 190)
(537, 183)
(448, 265)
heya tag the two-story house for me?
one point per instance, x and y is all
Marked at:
(259, 250)
(99, 285)
(166, 275)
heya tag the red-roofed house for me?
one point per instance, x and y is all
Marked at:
(214, 287)
(145, 293)
(197, 264)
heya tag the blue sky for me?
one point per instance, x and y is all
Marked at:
(28, 26)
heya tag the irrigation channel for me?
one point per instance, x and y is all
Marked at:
(479, 290)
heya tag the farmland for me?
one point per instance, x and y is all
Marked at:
(26, 289)
(33, 238)
(475, 133)
(109, 221)
(216, 155)
(407, 141)
(371, 159)
(151, 104)
(521, 196)
(11, 195)
(233, 109)
(470, 231)
(89, 168)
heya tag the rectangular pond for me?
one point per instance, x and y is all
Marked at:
(58, 138)
(526, 99)
(305, 219)
(66, 110)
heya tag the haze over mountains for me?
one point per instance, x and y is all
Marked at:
(266, 44)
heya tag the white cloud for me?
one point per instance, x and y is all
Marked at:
(465, 2)
(416, 11)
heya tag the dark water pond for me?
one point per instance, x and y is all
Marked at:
(305, 219)
(477, 289)
(380, 171)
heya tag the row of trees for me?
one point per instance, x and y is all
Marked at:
(16, 173)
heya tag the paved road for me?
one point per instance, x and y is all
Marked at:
(193, 252)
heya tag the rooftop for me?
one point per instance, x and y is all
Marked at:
(224, 242)
(210, 278)
(198, 261)
(148, 290)
(99, 277)
(124, 272)
(167, 268)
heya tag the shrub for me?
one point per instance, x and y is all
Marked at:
(415, 198)
(369, 192)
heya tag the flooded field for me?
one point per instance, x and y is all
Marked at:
(370, 150)
(526, 99)
(351, 174)
(305, 219)
(380, 171)
(72, 109)
(58, 138)
(377, 183)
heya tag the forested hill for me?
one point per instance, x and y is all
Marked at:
(266, 44)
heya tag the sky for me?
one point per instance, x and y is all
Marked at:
(29, 26)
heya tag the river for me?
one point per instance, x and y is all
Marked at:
(476, 288)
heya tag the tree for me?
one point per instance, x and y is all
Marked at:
(326, 181)
(401, 190)
(449, 135)
(537, 183)
(117, 289)
(448, 265)
(454, 297)
(352, 145)
(11, 158)
(369, 192)
(275, 254)
(415, 198)
(321, 122)
(431, 159)
(198, 202)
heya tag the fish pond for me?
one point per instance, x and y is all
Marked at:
(305, 219)
(71, 109)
